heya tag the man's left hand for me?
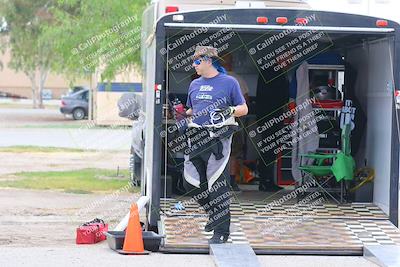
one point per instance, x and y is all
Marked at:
(226, 112)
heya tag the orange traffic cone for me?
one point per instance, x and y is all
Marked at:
(133, 243)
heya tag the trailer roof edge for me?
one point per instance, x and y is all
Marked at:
(279, 27)
(268, 8)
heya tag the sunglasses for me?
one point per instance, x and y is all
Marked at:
(199, 60)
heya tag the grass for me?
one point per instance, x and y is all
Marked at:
(32, 149)
(77, 181)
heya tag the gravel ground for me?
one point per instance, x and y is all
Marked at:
(31, 218)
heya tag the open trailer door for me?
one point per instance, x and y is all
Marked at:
(291, 226)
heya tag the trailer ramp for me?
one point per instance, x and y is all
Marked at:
(327, 229)
(233, 255)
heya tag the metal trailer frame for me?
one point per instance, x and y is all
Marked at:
(155, 82)
(315, 252)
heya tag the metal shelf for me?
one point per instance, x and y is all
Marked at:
(325, 67)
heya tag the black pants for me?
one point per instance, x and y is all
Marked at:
(215, 202)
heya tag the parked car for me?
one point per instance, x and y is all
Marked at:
(76, 104)
(74, 89)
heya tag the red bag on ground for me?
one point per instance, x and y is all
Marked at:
(91, 232)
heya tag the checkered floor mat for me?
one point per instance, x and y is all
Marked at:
(289, 234)
(327, 228)
(346, 211)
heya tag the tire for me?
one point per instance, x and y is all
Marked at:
(78, 114)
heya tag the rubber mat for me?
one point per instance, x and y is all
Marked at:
(283, 229)
(284, 235)
(346, 211)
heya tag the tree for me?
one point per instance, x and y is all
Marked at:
(31, 52)
(102, 36)
(74, 38)
(3, 30)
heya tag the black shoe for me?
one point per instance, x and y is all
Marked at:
(218, 238)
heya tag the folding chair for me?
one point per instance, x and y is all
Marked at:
(340, 165)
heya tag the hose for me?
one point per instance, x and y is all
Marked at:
(370, 175)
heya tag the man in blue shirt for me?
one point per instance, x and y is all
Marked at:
(214, 89)
(214, 100)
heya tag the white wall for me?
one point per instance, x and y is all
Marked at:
(374, 74)
(380, 114)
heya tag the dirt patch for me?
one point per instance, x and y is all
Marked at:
(47, 218)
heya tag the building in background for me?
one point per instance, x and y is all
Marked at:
(18, 84)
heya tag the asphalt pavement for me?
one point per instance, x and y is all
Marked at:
(101, 255)
(48, 127)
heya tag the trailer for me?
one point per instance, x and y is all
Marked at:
(278, 36)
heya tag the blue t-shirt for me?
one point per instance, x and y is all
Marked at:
(207, 94)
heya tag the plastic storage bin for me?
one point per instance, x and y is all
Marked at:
(151, 240)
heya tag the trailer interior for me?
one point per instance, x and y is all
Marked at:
(346, 215)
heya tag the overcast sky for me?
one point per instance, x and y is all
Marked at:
(389, 9)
